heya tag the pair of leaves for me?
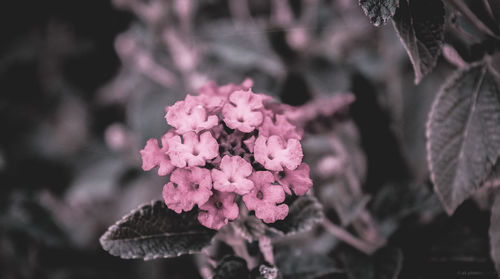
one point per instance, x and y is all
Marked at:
(154, 231)
(463, 134)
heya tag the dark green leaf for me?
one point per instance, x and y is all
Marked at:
(379, 11)
(420, 26)
(154, 231)
(463, 134)
(304, 213)
(232, 267)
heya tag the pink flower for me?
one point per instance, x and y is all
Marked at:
(188, 116)
(191, 150)
(152, 156)
(243, 111)
(212, 104)
(274, 153)
(186, 188)
(279, 127)
(233, 175)
(219, 209)
(298, 180)
(211, 88)
(265, 196)
(219, 139)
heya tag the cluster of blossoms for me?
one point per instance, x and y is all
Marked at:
(229, 147)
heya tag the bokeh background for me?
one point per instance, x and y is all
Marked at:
(84, 83)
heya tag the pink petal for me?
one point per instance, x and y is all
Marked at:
(186, 188)
(233, 175)
(192, 151)
(279, 127)
(264, 197)
(274, 154)
(153, 156)
(218, 211)
(243, 112)
(189, 115)
(298, 180)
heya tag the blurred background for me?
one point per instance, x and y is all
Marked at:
(84, 83)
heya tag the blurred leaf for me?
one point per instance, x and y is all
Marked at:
(241, 47)
(296, 263)
(26, 216)
(231, 267)
(379, 11)
(463, 134)
(340, 196)
(394, 202)
(385, 264)
(420, 26)
(304, 213)
(154, 231)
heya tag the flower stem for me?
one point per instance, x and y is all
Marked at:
(348, 238)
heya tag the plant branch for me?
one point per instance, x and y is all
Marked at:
(348, 238)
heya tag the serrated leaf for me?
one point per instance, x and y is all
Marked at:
(494, 232)
(154, 231)
(420, 26)
(303, 214)
(379, 11)
(231, 267)
(463, 133)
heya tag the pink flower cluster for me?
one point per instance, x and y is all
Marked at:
(229, 147)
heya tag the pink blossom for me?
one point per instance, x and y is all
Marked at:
(280, 127)
(189, 115)
(265, 196)
(243, 111)
(212, 104)
(211, 89)
(232, 176)
(152, 156)
(298, 180)
(219, 210)
(274, 153)
(186, 188)
(219, 139)
(191, 150)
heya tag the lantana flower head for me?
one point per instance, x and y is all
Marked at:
(229, 148)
